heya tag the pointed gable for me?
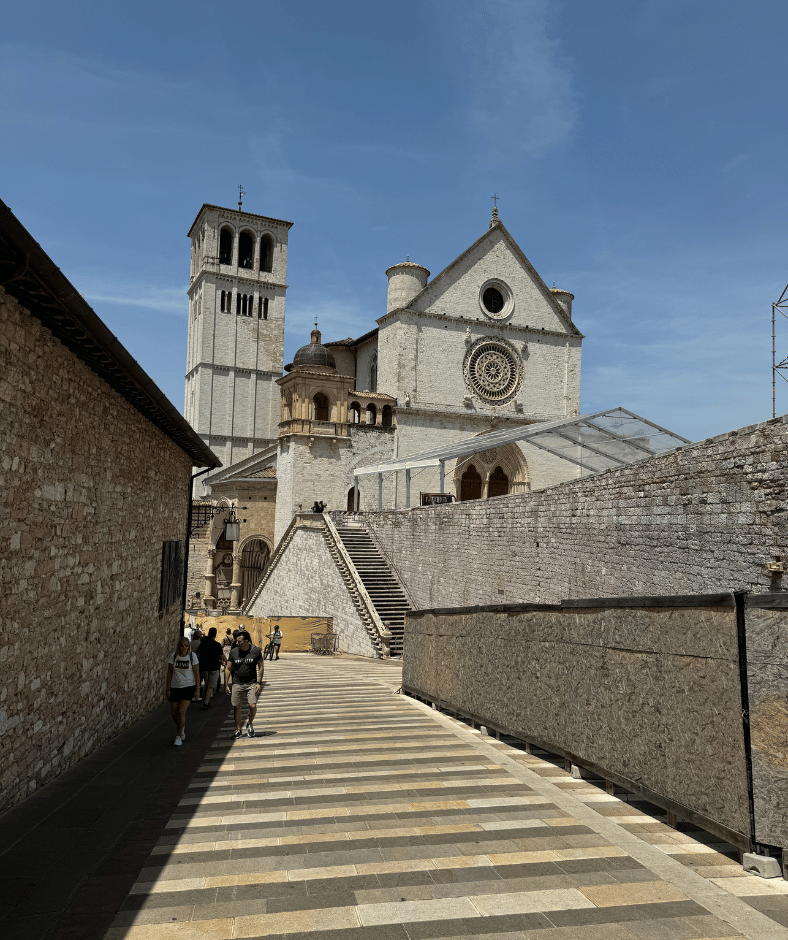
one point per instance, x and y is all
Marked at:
(495, 259)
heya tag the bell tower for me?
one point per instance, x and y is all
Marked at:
(235, 351)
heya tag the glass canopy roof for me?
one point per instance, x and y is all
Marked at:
(597, 442)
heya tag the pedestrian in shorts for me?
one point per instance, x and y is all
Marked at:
(183, 678)
(244, 681)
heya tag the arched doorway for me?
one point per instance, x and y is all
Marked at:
(498, 483)
(351, 499)
(471, 484)
(254, 559)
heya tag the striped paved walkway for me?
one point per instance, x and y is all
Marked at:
(362, 815)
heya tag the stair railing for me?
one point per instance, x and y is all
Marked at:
(383, 632)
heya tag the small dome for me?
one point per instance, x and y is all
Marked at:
(313, 356)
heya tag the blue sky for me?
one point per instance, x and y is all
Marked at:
(639, 150)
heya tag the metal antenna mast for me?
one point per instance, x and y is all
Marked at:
(778, 367)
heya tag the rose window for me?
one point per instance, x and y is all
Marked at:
(493, 370)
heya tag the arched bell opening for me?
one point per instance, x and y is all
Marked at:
(372, 414)
(267, 253)
(225, 246)
(246, 251)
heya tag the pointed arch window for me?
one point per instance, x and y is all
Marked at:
(498, 483)
(373, 373)
(471, 484)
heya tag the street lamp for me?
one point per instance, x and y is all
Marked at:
(232, 527)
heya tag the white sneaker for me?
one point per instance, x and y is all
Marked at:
(177, 742)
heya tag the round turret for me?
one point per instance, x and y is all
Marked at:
(405, 281)
(564, 298)
(315, 356)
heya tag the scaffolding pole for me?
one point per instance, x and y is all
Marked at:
(778, 368)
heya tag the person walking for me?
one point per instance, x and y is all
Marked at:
(276, 639)
(211, 657)
(244, 680)
(183, 677)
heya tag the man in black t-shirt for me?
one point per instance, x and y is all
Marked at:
(244, 663)
(211, 657)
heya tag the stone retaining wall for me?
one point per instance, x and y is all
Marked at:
(649, 692)
(706, 517)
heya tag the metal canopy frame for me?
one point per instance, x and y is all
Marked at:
(597, 442)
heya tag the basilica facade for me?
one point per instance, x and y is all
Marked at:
(483, 345)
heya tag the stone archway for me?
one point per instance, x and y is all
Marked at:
(501, 470)
(255, 554)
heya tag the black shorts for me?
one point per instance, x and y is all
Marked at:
(182, 695)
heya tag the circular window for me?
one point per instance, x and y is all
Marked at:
(496, 300)
(493, 370)
(492, 299)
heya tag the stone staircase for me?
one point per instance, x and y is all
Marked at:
(382, 588)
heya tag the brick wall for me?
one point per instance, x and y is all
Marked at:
(89, 490)
(707, 517)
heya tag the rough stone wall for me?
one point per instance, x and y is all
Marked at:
(307, 583)
(89, 490)
(706, 517)
(651, 694)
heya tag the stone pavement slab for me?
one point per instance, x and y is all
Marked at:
(361, 814)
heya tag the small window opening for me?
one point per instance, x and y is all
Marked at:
(238, 305)
(265, 309)
(259, 308)
(373, 373)
(225, 246)
(321, 407)
(245, 251)
(492, 299)
(222, 305)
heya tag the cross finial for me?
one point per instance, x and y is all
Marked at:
(241, 194)
(495, 197)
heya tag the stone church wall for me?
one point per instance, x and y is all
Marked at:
(89, 490)
(707, 517)
(306, 583)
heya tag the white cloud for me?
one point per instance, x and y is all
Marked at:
(523, 102)
(165, 299)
